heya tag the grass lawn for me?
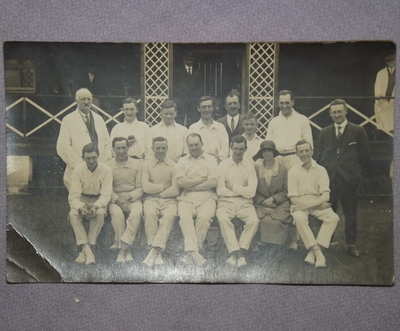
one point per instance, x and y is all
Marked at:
(42, 220)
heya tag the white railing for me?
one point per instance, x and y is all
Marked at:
(53, 118)
(114, 118)
(367, 120)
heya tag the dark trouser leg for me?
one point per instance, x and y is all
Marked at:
(334, 195)
(347, 195)
(349, 203)
(334, 200)
(181, 113)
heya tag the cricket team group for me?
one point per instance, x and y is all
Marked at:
(215, 170)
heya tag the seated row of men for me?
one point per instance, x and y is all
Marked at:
(197, 189)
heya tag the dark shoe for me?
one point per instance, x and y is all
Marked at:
(353, 251)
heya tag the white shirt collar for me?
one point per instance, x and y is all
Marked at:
(82, 113)
(255, 138)
(131, 123)
(341, 125)
(236, 117)
(154, 161)
(121, 163)
(94, 171)
(235, 120)
(202, 125)
(167, 126)
(391, 69)
(313, 164)
(293, 114)
(243, 162)
(202, 156)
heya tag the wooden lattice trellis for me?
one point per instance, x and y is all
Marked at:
(156, 76)
(261, 83)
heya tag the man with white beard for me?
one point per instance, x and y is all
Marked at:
(78, 129)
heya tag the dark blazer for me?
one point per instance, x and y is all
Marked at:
(238, 130)
(347, 157)
(96, 86)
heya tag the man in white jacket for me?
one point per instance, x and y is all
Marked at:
(287, 128)
(137, 132)
(384, 93)
(79, 128)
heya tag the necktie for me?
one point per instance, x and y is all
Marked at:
(339, 131)
(91, 128)
(391, 83)
(232, 124)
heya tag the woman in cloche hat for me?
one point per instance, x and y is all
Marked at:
(271, 201)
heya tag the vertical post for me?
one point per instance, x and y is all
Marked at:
(142, 95)
(156, 80)
(276, 77)
(261, 64)
(24, 117)
(170, 70)
(245, 80)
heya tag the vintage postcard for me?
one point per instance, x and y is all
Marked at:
(259, 162)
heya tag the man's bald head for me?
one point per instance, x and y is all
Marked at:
(83, 92)
(83, 98)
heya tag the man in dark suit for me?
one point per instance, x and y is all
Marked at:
(91, 81)
(232, 120)
(187, 90)
(343, 151)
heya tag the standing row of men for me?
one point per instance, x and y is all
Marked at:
(193, 188)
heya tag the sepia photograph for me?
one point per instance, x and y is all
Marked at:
(260, 162)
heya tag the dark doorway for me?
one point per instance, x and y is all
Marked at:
(205, 69)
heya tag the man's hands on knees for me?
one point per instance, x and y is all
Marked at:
(270, 203)
(89, 210)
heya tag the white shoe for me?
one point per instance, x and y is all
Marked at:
(232, 261)
(187, 259)
(241, 262)
(115, 246)
(293, 245)
(159, 260)
(121, 257)
(198, 259)
(81, 257)
(320, 261)
(310, 258)
(150, 258)
(90, 259)
(128, 257)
